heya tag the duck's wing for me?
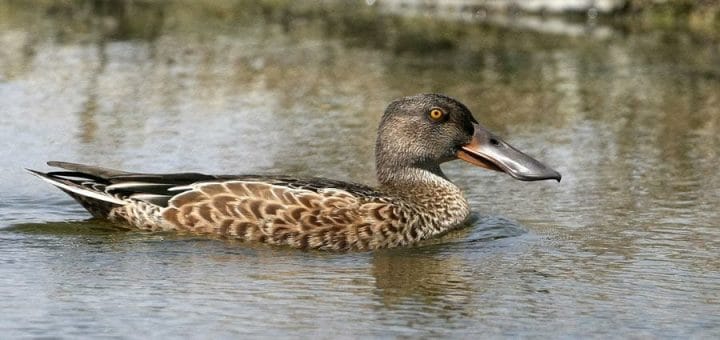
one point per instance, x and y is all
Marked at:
(115, 185)
(305, 213)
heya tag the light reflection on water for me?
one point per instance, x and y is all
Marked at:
(626, 244)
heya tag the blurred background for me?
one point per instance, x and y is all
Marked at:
(622, 97)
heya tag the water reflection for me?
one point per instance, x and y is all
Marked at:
(432, 272)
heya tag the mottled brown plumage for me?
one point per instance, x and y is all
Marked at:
(414, 201)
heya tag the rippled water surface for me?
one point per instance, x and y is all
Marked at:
(626, 245)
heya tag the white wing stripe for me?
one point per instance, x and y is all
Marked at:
(132, 185)
(83, 192)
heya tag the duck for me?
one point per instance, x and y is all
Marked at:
(413, 201)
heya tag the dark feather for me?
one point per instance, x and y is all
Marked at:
(162, 187)
(86, 169)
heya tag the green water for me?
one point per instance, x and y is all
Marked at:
(625, 246)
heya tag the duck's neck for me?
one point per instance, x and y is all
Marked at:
(410, 176)
(435, 203)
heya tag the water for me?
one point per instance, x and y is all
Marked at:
(626, 245)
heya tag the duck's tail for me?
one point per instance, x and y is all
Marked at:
(86, 184)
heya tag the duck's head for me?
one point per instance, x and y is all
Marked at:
(422, 131)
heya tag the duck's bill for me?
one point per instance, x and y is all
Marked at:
(489, 151)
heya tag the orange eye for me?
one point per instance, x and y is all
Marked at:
(436, 114)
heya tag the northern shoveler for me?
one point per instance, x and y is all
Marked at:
(414, 199)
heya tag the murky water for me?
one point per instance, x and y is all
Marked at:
(626, 245)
